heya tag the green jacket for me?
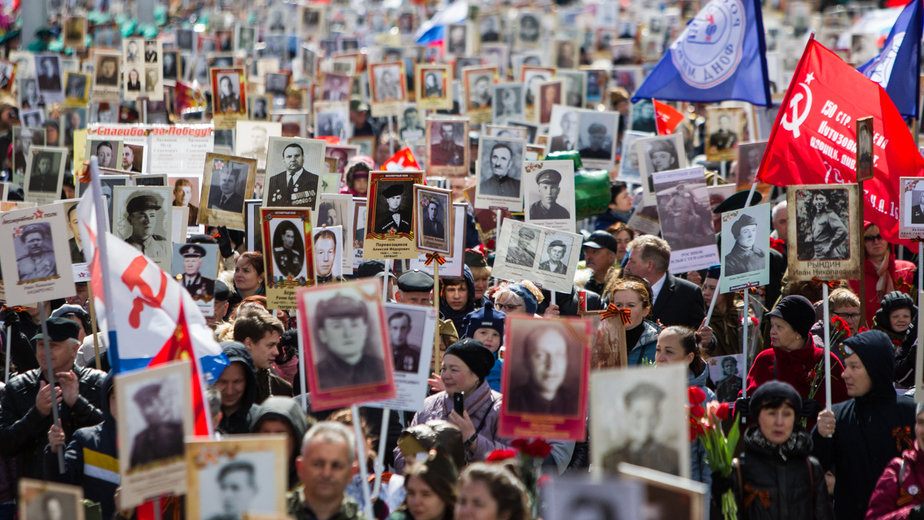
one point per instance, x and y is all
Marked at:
(298, 509)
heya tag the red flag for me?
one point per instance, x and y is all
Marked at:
(666, 117)
(403, 160)
(179, 346)
(814, 138)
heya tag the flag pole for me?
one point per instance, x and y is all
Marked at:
(102, 229)
(50, 376)
(94, 329)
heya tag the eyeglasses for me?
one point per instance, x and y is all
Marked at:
(848, 315)
(872, 238)
(506, 307)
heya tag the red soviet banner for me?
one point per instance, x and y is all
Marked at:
(813, 139)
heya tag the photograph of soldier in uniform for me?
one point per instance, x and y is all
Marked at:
(35, 254)
(917, 211)
(161, 436)
(555, 256)
(508, 103)
(749, 156)
(45, 172)
(412, 129)
(864, 149)
(434, 217)
(822, 222)
(546, 376)
(456, 42)
(346, 338)
(293, 167)
(723, 128)
(685, 214)
(44, 500)
(229, 98)
(433, 84)
(336, 87)
(642, 446)
(327, 253)
(529, 30)
(524, 252)
(387, 82)
(478, 83)
(394, 216)
(288, 248)
(406, 352)
(643, 117)
(724, 371)
(745, 255)
(563, 129)
(143, 218)
(658, 154)
(597, 136)
(546, 206)
(447, 150)
(189, 272)
(76, 87)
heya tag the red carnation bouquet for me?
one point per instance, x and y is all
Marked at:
(529, 455)
(706, 425)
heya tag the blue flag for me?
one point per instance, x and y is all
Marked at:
(900, 55)
(721, 55)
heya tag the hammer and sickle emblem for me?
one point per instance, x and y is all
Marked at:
(797, 117)
(132, 278)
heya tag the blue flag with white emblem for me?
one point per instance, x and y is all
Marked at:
(720, 55)
(897, 67)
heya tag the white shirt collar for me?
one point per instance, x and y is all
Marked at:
(656, 288)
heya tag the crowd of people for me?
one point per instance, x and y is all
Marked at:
(796, 457)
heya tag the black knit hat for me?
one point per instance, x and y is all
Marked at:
(479, 359)
(772, 392)
(797, 311)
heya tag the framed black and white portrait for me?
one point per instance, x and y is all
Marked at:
(500, 167)
(549, 194)
(142, 218)
(508, 103)
(659, 154)
(745, 248)
(686, 218)
(823, 235)
(227, 181)
(433, 207)
(448, 147)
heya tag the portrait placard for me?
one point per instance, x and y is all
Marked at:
(253, 230)
(76, 88)
(107, 151)
(478, 81)
(629, 158)
(75, 32)
(639, 416)
(337, 210)
(658, 154)
(410, 332)
(44, 173)
(724, 129)
(822, 232)
(549, 194)
(457, 40)
(293, 168)
(186, 194)
(287, 254)
(745, 248)
(433, 218)
(727, 373)
(229, 96)
(252, 139)
(749, 156)
(227, 181)
(142, 217)
(390, 230)
(359, 229)
(335, 87)
(328, 253)
(49, 77)
(74, 245)
(864, 148)
(454, 262)
(337, 156)
(387, 83)
(448, 150)
(911, 208)
(573, 89)
(530, 252)
(348, 358)
(508, 103)
(499, 169)
(331, 119)
(528, 33)
(587, 497)
(248, 472)
(546, 367)
(42, 500)
(152, 179)
(597, 136)
(433, 84)
(671, 496)
(549, 94)
(195, 266)
(34, 255)
(157, 416)
(24, 138)
(686, 218)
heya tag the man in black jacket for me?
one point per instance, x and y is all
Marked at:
(25, 409)
(860, 436)
(676, 301)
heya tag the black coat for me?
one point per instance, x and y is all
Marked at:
(24, 431)
(679, 303)
(568, 304)
(870, 431)
(239, 420)
(782, 478)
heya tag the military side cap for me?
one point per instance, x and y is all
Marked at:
(745, 220)
(548, 177)
(147, 393)
(192, 250)
(601, 240)
(596, 128)
(525, 232)
(59, 329)
(661, 146)
(28, 229)
(415, 281)
(737, 201)
(393, 191)
(142, 202)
